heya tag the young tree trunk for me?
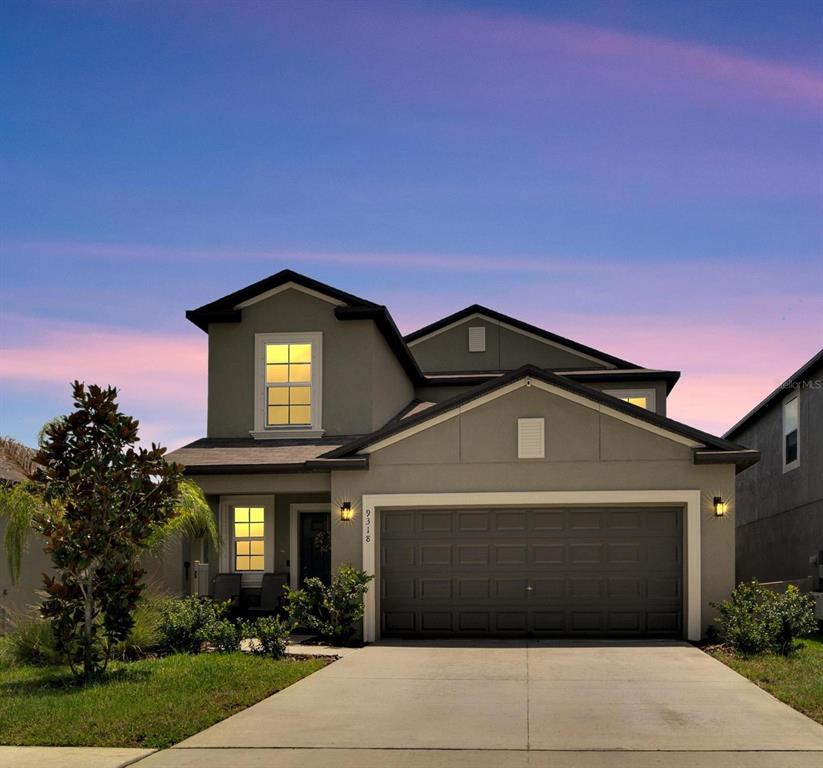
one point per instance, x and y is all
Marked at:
(88, 626)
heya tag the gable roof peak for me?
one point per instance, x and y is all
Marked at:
(517, 325)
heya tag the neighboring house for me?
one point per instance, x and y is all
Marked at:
(498, 479)
(16, 461)
(780, 501)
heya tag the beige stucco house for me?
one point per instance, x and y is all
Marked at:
(497, 479)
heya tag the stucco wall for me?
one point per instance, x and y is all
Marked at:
(585, 450)
(505, 350)
(780, 514)
(363, 384)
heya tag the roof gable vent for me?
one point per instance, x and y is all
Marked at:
(477, 338)
(531, 443)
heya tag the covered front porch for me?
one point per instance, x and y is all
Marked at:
(275, 530)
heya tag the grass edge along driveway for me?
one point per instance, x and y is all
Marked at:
(148, 703)
(796, 680)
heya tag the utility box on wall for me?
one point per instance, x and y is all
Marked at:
(200, 579)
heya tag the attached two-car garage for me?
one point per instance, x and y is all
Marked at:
(550, 571)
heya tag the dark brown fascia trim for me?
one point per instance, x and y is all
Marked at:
(386, 325)
(710, 441)
(742, 458)
(223, 310)
(492, 314)
(313, 465)
(670, 377)
(783, 389)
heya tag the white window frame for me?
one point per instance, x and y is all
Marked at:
(788, 467)
(227, 504)
(649, 394)
(261, 431)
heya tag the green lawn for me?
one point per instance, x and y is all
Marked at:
(150, 703)
(796, 680)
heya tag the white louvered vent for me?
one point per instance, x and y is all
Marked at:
(530, 439)
(477, 339)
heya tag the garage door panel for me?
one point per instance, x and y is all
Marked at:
(436, 589)
(435, 555)
(554, 572)
(515, 521)
(473, 589)
(585, 554)
(435, 522)
(510, 554)
(472, 554)
(473, 521)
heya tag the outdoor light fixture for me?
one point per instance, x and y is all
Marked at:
(720, 507)
(346, 512)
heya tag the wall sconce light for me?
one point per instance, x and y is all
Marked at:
(720, 507)
(346, 512)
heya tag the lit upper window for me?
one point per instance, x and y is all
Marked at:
(791, 430)
(643, 398)
(249, 538)
(288, 384)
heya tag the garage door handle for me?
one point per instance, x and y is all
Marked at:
(530, 588)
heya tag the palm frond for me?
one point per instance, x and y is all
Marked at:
(19, 503)
(17, 458)
(194, 518)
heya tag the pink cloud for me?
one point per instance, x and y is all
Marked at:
(161, 378)
(654, 64)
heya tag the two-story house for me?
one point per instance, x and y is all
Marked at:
(497, 479)
(780, 501)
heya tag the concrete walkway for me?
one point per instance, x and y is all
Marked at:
(512, 704)
(70, 757)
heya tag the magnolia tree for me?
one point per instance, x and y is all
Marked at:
(100, 502)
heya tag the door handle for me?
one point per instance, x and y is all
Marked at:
(529, 588)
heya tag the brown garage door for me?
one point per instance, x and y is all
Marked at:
(550, 572)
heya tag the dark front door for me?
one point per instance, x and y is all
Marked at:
(315, 546)
(552, 572)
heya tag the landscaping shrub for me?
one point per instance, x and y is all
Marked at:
(144, 638)
(32, 642)
(793, 618)
(756, 619)
(221, 635)
(331, 611)
(188, 622)
(270, 632)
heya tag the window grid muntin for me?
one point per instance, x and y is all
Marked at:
(249, 534)
(289, 368)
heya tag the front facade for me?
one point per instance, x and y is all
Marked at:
(501, 480)
(780, 501)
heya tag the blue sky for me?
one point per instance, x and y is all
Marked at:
(645, 177)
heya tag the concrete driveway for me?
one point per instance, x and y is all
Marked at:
(514, 704)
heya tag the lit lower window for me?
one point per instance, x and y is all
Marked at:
(249, 538)
(288, 385)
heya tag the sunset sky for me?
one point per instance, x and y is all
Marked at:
(643, 177)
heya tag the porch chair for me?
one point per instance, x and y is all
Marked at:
(271, 593)
(227, 587)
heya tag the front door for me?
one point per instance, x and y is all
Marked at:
(315, 546)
